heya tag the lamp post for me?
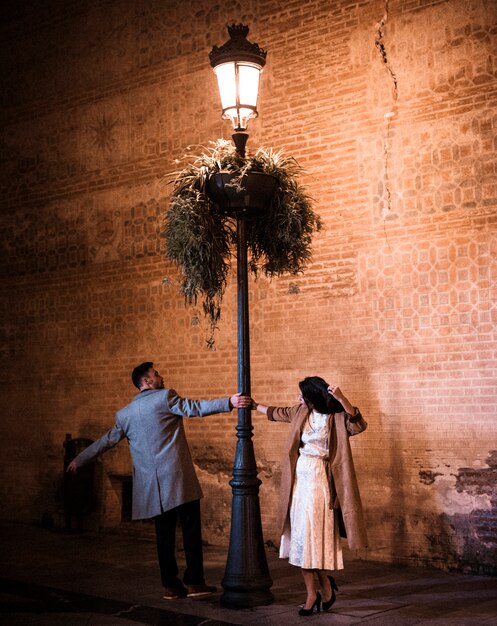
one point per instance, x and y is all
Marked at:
(237, 65)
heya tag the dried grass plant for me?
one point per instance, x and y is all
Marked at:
(200, 238)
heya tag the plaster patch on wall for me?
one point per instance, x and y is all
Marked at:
(480, 484)
(266, 469)
(464, 535)
(478, 481)
(215, 469)
(209, 460)
(453, 499)
(469, 520)
(461, 503)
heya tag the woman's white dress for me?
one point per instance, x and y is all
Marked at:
(313, 540)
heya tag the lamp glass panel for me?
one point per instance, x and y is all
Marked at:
(248, 84)
(226, 80)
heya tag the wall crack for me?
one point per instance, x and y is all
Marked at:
(389, 115)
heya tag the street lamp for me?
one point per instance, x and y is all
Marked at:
(237, 65)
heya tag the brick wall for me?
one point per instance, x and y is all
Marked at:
(390, 107)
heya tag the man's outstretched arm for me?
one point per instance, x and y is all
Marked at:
(107, 441)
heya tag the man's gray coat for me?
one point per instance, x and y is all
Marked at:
(163, 473)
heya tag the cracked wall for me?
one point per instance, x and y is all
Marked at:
(381, 45)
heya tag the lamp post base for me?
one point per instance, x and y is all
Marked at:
(247, 599)
(246, 579)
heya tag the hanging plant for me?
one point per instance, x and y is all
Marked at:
(199, 236)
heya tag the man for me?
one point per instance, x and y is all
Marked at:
(165, 484)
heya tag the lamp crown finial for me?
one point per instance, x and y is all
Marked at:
(238, 30)
(238, 48)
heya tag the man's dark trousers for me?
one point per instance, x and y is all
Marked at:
(165, 529)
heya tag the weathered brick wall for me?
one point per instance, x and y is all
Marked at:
(390, 107)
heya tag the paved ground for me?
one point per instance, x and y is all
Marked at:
(51, 578)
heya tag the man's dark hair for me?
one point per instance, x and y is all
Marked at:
(139, 372)
(315, 393)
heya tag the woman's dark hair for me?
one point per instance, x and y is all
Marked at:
(315, 393)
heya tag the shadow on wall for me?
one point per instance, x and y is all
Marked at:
(78, 497)
(405, 525)
(409, 512)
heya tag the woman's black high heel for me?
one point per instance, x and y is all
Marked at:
(329, 603)
(317, 604)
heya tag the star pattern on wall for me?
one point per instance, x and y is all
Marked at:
(104, 130)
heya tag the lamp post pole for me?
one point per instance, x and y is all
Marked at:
(246, 579)
(237, 65)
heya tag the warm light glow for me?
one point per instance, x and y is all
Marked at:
(248, 84)
(238, 87)
(226, 81)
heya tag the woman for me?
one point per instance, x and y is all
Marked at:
(319, 493)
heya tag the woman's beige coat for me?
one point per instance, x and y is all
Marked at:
(341, 473)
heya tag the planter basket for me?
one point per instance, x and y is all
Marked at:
(241, 196)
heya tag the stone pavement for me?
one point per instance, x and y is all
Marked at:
(54, 578)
